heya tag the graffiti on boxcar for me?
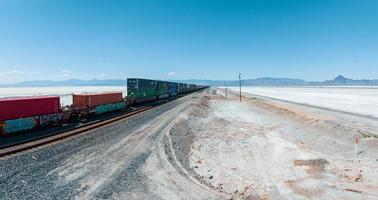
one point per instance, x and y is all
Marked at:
(2, 127)
(45, 120)
(17, 125)
(110, 107)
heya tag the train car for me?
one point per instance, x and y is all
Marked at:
(181, 88)
(173, 89)
(199, 87)
(192, 87)
(187, 88)
(14, 108)
(141, 90)
(95, 99)
(162, 90)
(97, 103)
(26, 113)
(184, 88)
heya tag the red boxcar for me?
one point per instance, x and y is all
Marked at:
(95, 99)
(14, 108)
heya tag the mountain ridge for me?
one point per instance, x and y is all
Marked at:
(263, 81)
(268, 81)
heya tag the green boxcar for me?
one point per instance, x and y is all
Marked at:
(141, 90)
(163, 89)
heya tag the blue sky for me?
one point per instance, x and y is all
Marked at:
(185, 39)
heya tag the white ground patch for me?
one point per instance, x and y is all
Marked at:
(248, 153)
(350, 99)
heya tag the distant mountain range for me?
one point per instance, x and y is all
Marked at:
(266, 81)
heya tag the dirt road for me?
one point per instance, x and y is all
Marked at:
(205, 146)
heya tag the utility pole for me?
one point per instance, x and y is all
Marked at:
(225, 87)
(240, 97)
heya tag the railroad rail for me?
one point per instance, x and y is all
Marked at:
(35, 143)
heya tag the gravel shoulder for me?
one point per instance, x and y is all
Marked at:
(125, 160)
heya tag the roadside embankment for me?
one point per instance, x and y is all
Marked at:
(260, 149)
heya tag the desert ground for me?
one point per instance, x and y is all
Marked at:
(265, 149)
(207, 146)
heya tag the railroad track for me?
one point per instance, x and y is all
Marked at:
(35, 143)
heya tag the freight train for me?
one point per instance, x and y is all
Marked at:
(19, 115)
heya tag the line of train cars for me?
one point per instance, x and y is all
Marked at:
(29, 113)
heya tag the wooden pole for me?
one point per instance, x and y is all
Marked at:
(240, 97)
